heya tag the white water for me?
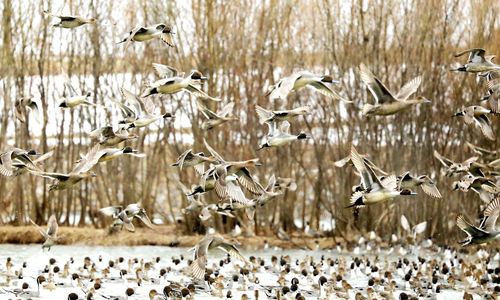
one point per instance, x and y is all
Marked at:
(37, 260)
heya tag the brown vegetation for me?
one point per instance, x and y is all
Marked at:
(240, 45)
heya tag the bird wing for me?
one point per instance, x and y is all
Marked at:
(285, 86)
(474, 54)
(485, 126)
(213, 152)
(33, 105)
(111, 211)
(390, 182)
(232, 250)
(271, 183)
(405, 224)
(18, 105)
(52, 226)
(367, 176)
(491, 215)
(409, 88)
(43, 157)
(226, 110)
(272, 129)
(144, 218)
(342, 162)
(430, 188)
(248, 182)
(196, 91)
(263, 114)
(58, 176)
(182, 158)
(137, 103)
(325, 90)
(40, 229)
(200, 257)
(206, 111)
(164, 71)
(376, 87)
(168, 38)
(443, 160)
(6, 163)
(468, 228)
(285, 127)
(89, 160)
(419, 228)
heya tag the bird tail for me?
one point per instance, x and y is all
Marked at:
(302, 136)
(149, 92)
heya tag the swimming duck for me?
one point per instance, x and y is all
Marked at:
(302, 79)
(142, 33)
(486, 231)
(385, 102)
(172, 82)
(108, 137)
(374, 190)
(216, 119)
(25, 105)
(70, 21)
(15, 158)
(209, 242)
(477, 62)
(279, 137)
(81, 170)
(407, 181)
(266, 116)
(50, 234)
(478, 115)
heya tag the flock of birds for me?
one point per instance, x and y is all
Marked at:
(232, 181)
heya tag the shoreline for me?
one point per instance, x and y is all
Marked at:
(164, 235)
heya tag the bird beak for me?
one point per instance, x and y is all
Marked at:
(203, 78)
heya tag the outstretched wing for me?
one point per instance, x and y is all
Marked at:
(213, 152)
(409, 88)
(144, 218)
(491, 215)
(40, 229)
(164, 71)
(376, 87)
(52, 226)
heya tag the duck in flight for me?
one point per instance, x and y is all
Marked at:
(386, 102)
